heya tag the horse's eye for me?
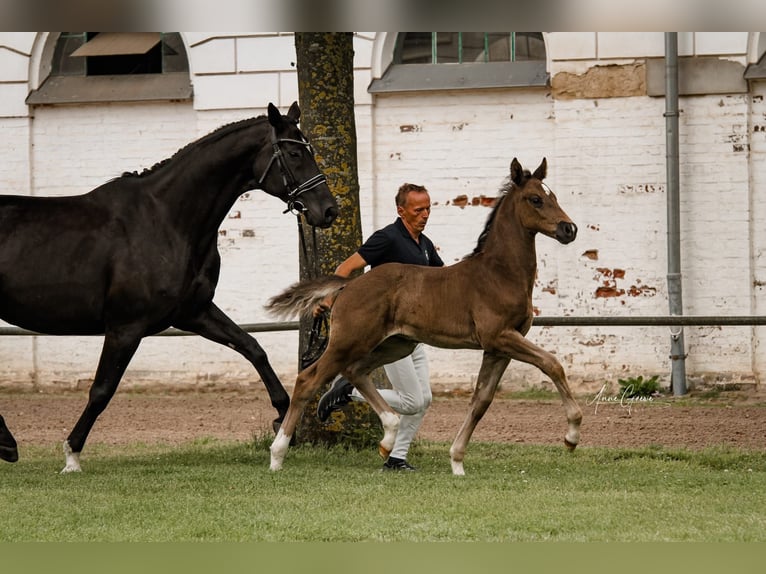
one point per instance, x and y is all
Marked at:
(294, 153)
(536, 201)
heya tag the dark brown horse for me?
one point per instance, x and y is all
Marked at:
(139, 254)
(482, 302)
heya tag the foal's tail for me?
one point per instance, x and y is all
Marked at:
(302, 297)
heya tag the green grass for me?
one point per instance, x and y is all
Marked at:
(213, 491)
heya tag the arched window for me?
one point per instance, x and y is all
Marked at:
(462, 60)
(108, 66)
(463, 47)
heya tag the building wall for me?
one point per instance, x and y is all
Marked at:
(602, 135)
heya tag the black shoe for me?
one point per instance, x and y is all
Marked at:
(338, 396)
(394, 463)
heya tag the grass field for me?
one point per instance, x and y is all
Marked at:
(214, 491)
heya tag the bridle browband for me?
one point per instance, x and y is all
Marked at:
(294, 189)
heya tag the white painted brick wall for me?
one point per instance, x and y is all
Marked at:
(606, 163)
(14, 151)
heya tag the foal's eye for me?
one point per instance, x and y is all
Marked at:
(536, 201)
(295, 153)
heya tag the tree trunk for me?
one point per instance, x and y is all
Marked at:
(325, 65)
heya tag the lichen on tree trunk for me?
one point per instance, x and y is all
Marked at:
(325, 66)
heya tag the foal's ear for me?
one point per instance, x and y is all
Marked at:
(294, 113)
(275, 117)
(541, 171)
(517, 172)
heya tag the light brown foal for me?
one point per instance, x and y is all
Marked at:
(482, 302)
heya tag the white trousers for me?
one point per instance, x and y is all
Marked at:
(410, 396)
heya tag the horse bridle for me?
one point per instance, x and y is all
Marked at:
(294, 189)
(319, 334)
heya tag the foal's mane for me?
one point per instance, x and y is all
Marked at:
(213, 136)
(507, 187)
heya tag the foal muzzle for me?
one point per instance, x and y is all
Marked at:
(566, 231)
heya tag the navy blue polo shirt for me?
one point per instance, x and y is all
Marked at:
(394, 244)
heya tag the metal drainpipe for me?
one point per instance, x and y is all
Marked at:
(675, 299)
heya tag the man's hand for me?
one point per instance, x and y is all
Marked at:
(323, 306)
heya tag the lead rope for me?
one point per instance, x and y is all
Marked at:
(320, 328)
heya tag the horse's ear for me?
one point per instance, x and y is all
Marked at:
(294, 113)
(517, 172)
(275, 117)
(541, 171)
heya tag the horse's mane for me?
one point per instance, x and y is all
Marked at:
(209, 138)
(505, 189)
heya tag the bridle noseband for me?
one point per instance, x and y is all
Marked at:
(294, 189)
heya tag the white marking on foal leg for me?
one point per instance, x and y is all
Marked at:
(390, 424)
(457, 467)
(279, 450)
(72, 460)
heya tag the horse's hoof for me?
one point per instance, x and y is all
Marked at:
(9, 454)
(8, 449)
(570, 445)
(383, 452)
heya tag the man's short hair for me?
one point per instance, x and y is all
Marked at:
(404, 190)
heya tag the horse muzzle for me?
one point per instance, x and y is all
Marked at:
(323, 220)
(315, 201)
(320, 212)
(566, 231)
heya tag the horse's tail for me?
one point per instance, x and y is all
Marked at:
(302, 297)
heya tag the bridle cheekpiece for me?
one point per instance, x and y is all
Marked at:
(294, 189)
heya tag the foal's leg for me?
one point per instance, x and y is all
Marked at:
(215, 325)
(306, 385)
(8, 449)
(492, 368)
(119, 347)
(390, 351)
(388, 417)
(524, 350)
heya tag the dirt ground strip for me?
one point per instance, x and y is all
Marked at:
(736, 419)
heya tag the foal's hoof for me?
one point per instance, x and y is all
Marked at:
(570, 445)
(383, 452)
(9, 454)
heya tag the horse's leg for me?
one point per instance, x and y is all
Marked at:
(215, 325)
(492, 368)
(119, 347)
(306, 385)
(525, 351)
(8, 449)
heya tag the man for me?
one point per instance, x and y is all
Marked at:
(400, 242)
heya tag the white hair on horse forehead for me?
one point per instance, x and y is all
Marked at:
(548, 190)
